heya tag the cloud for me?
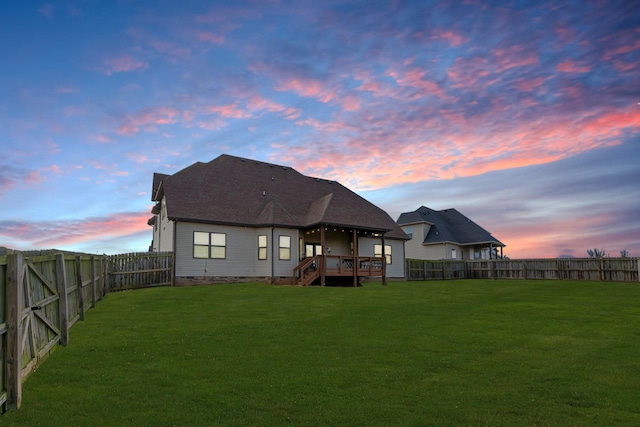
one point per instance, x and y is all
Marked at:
(11, 176)
(64, 233)
(122, 64)
(46, 11)
(570, 66)
(148, 120)
(208, 37)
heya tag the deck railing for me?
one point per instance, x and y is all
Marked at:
(336, 266)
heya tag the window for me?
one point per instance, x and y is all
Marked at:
(284, 247)
(454, 254)
(409, 231)
(209, 245)
(377, 251)
(262, 246)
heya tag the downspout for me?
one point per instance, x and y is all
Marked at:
(323, 270)
(273, 247)
(175, 233)
(384, 263)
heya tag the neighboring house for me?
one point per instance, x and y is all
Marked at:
(236, 219)
(446, 234)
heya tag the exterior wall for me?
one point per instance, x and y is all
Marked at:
(397, 267)
(162, 231)
(444, 251)
(241, 253)
(336, 241)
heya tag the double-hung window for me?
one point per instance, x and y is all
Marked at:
(284, 247)
(377, 251)
(262, 246)
(209, 245)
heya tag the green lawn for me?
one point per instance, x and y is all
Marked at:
(470, 352)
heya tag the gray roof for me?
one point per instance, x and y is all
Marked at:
(237, 191)
(448, 225)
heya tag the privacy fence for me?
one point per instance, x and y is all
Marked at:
(600, 269)
(43, 294)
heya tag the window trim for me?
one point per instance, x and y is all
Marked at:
(387, 252)
(209, 245)
(263, 248)
(282, 247)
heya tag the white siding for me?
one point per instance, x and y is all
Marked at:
(284, 268)
(397, 266)
(241, 252)
(163, 231)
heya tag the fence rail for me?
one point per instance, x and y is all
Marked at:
(140, 270)
(600, 269)
(43, 294)
(41, 297)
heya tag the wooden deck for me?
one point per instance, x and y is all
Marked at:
(327, 266)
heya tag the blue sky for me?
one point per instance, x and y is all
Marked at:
(524, 116)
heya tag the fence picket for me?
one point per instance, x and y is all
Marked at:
(606, 269)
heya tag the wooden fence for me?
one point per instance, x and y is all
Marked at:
(601, 269)
(43, 295)
(41, 298)
(140, 270)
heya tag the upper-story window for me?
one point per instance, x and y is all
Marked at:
(409, 231)
(209, 245)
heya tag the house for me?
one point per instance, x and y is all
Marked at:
(234, 219)
(446, 234)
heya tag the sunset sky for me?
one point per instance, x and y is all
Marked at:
(522, 115)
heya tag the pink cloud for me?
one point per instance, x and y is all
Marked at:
(414, 150)
(454, 38)
(350, 103)
(415, 78)
(512, 57)
(122, 64)
(148, 119)
(210, 38)
(570, 66)
(229, 111)
(307, 87)
(60, 233)
(528, 85)
(466, 72)
(102, 138)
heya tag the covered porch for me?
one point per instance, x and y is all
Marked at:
(331, 254)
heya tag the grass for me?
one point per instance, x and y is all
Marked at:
(466, 352)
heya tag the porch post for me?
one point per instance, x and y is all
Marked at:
(323, 270)
(355, 257)
(384, 264)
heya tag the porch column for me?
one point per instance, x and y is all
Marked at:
(323, 270)
(384, 264)
(355, 257)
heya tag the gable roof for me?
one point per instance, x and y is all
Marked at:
(448, 225)
(237, 191)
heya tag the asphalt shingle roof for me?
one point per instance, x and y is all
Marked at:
(448, 225)
(237, 191)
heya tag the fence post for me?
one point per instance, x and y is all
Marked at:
(15, 304)
(63, 300)
(106, 261)
(80, 289)
(94, 299)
